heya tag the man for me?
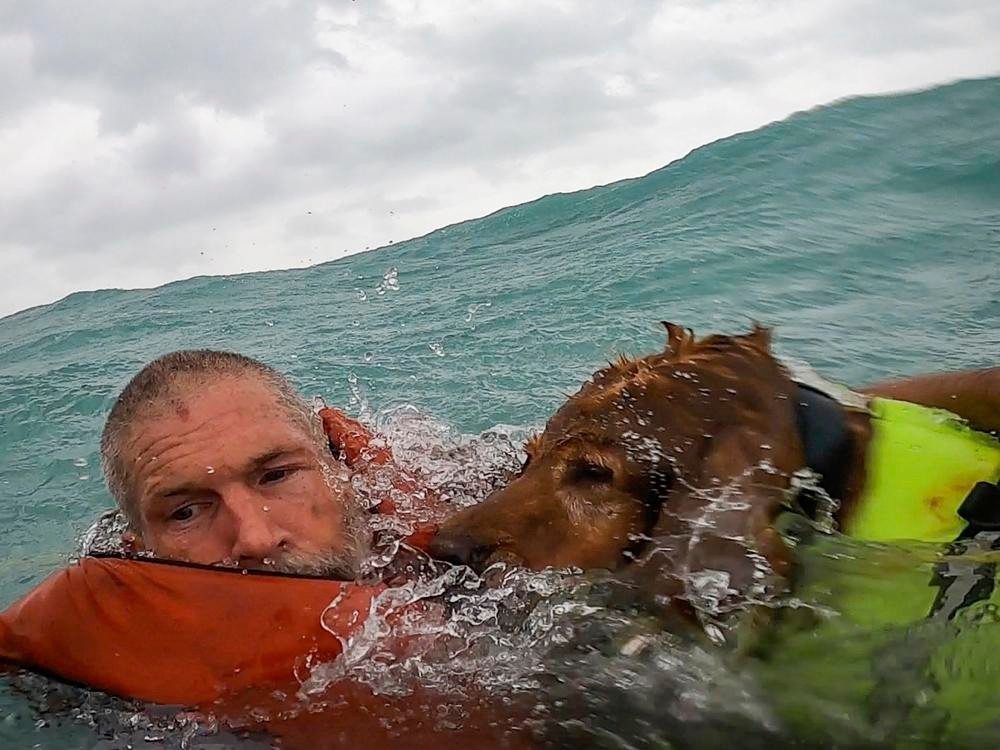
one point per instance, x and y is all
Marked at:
(214, 459)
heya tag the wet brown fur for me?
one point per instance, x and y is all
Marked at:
(675, 463)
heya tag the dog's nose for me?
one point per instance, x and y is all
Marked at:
(459, 549)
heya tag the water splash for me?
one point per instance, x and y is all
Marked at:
(459, 469)
(358, 398)
(474, 308)
(389, 282)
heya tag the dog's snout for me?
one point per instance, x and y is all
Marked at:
(459, 549)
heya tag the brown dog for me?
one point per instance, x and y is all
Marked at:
(694, 449)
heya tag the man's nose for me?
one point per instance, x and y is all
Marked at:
(256, 535)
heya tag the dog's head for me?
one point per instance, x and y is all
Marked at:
(689, 449)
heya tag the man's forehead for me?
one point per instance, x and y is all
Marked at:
(187, 387)
(195, 401)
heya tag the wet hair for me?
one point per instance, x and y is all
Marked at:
(169, 377)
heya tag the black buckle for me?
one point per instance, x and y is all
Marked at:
(980, 510)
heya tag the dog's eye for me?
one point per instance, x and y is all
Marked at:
(591, 471)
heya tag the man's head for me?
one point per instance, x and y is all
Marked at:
(213, 458)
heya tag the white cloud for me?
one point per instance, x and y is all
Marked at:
(144, 142)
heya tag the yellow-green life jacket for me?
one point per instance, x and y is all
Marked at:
(897, 646)
(921, 465)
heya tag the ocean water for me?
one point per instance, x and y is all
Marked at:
(867, 232)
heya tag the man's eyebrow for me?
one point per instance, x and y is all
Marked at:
(290, 451)
(176, 491)
(253, 464)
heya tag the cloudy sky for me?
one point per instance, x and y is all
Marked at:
(144, 142)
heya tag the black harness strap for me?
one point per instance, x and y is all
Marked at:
(826, 440)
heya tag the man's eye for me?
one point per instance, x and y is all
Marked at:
(184, 513)
(271, 476)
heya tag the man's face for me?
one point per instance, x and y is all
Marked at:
(223, 474)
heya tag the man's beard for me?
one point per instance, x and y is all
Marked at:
(343, 564)
(336, 565)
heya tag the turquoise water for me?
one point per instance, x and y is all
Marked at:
(868, 232)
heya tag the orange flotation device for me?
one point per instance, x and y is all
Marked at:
(179, 634)
(152, 629)
(216, 639)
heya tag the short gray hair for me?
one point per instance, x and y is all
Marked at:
(159, 380)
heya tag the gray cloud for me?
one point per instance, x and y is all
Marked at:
(137, 58)
(144, 141)
(919, 26)
(16, 86)
(173, 148)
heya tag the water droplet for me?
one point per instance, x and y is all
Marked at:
(390, 281)
(362, 294)
(269, 323)
(267, 508)
(474, 308)
(210, 469)
(369, 356)
(437, 348)
(81, 462)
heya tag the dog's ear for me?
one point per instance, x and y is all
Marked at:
(721, 520)
(679, 339)
(760, 336)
